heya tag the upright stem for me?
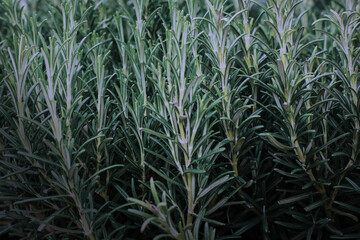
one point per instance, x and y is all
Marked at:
(302, 158)
(84, 222)
(350, 162)
(346, 39)
(190, 199)
(189, 176)
(143, 170)
(355, 148)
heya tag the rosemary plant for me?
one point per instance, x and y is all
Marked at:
(179, 119)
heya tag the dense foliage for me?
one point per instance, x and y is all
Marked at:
(192, 119)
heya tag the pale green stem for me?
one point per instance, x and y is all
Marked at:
(84, 222)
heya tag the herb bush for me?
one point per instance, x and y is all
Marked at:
(139, 119)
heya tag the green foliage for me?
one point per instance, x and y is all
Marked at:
(179, 119)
